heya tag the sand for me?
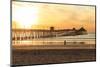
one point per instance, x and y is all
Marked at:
(26, 55)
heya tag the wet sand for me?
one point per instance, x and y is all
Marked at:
(27, 55)
(67, 46)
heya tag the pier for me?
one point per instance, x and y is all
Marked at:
(28, 34)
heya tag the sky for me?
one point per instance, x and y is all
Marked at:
(43, 16)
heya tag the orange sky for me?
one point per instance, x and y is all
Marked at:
(43, 15)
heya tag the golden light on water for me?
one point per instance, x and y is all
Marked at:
(41, 16)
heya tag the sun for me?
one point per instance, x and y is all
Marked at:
(25, 15)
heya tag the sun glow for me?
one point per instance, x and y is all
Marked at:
(25, 15)
(28, 15)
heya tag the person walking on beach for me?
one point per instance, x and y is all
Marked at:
(64, 42)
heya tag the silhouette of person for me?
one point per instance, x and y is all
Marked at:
(64, 42)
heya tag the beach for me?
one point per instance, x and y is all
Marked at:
(65, 49)
(27, 55)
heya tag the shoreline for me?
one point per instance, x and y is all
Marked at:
(67, 46)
